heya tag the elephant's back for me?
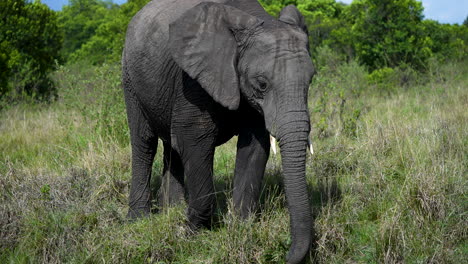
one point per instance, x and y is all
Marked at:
(148, 29)
(146, 42)
(150, 72)
(147, 32)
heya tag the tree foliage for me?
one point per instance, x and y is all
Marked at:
(447, 42)
(380, 34)
(30, 41)
(390, 32)
(79, 21)
(102, 38)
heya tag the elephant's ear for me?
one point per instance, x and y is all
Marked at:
(204, 45)
(291, 15)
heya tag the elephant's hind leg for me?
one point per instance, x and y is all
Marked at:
(172, 184)
(144, 144)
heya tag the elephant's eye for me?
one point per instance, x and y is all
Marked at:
(262, 84)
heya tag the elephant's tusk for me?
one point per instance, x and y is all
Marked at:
(311, 148)
(309, 145)
(273, 144)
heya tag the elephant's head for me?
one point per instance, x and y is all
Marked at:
(233, 54)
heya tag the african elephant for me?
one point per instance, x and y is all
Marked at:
(196, 74)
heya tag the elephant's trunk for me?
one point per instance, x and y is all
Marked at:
(293, 139)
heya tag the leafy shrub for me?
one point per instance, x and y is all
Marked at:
(105, 39)
(80, 20)
(96, 93)
(383, 79)
(447, 42)
(30, 41)
(336, 93)
(326, 59)
(389, 32)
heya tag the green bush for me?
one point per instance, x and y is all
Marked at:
(389, 32)
(383, 79)
(79, 21)
(95, 92)
(105, 35)
(447, 42)
(30, 41)
(337, 92)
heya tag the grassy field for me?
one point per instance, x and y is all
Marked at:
(388, 181)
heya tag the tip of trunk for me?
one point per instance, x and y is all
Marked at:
(298, 253)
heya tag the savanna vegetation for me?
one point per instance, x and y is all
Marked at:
(388, 180)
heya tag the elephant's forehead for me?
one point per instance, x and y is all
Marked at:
(283, 39)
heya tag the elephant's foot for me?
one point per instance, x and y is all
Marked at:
(138, 212)
(199, 219)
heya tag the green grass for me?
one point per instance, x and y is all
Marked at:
(388, 181)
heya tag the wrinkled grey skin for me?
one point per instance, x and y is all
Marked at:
(196, 74)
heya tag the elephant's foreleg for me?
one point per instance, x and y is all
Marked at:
(253, 149)
(196, 149)
(172, 183)
(144, 145)
(193, 137)
(140, 196)
(198, 164)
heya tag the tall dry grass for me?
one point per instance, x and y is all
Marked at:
(388, 181)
